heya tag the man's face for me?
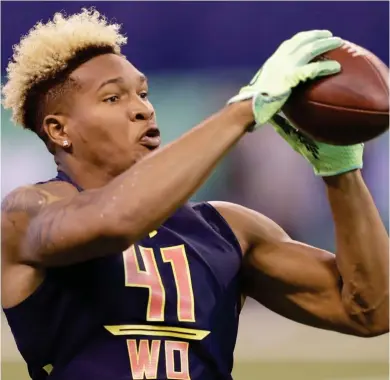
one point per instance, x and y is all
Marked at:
(111, 122)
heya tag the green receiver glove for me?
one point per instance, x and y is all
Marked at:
(289, 65)
(327, 160)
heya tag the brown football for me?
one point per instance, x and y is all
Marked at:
(346, 108)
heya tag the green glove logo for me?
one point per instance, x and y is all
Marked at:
(294, 133)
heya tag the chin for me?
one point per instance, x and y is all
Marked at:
(141, 153)
(135, 156)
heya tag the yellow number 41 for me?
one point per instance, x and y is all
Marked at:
(150, 278)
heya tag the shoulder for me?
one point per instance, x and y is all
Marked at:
(21, 205)
(251, 227)
(31, 199)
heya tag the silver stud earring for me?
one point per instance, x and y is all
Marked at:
(66, 144)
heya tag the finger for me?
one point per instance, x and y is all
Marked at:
(316, 48)
(328, 68)
(304, 38)
(311, 35)
(320, 69)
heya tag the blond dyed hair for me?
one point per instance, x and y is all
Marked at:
(47, 50)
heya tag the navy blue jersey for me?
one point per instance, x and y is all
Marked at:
(166, 308)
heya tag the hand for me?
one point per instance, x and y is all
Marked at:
(289, 65)
(327, 160)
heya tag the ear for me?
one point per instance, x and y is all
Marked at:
(55, 127)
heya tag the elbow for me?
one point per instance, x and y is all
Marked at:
(373, 331)
(371, 323)
(368, 310)
(378, 323)
(378, 332)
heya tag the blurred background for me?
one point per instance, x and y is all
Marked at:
(197, 55)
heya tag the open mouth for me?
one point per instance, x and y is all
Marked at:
(151, 138)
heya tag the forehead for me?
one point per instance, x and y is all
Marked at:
(92, 73)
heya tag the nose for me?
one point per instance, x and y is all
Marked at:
(141, 111)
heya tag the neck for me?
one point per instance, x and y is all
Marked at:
(84, 174)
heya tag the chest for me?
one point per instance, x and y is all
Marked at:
(185, 272)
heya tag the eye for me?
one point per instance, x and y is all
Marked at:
(111, 99)
(143, 95)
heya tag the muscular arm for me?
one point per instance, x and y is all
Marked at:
(346, 292)
(362, 253)
(54, 230)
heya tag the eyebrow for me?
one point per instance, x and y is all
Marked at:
(142, 79)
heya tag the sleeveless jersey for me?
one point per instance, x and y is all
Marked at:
(166, 308)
